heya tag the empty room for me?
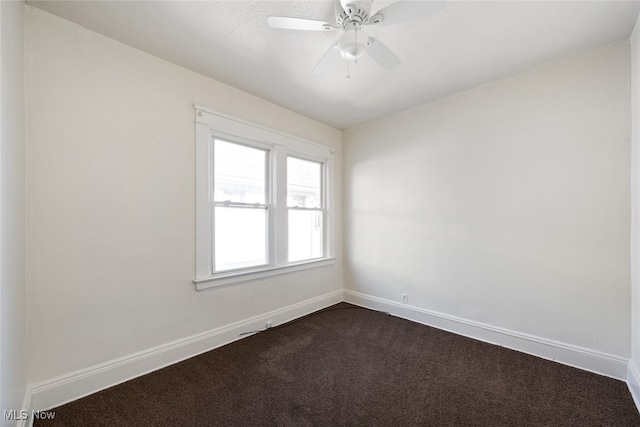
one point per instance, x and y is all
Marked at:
(320, 213)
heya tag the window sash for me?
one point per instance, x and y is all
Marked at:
(267, 207)
(266, 182)
(323, 236)
(322, 185)
(266, 251)
(322, 208)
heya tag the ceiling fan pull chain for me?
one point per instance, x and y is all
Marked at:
(356, 36)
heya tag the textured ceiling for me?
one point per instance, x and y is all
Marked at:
(461, 46)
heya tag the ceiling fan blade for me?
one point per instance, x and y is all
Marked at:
(330, 57)
(288, 23)
(405, 10)
(382, 54)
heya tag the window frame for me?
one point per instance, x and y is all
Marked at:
(211, 125)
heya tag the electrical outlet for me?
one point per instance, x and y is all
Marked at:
(269, 324)
(405, 298)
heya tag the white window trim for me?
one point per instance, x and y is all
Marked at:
(210, 123)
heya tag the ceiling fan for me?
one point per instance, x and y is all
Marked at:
(351, 16)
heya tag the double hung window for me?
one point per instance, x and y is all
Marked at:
(241, 208)
(305, 210)
(263, 202)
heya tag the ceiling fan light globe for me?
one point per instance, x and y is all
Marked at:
(350, 47)
(352, 55)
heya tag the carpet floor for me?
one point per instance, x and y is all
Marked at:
(347, 366)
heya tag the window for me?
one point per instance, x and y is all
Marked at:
(306, 216)
(241, 213)
(263, 202)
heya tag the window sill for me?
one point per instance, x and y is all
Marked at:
(221, 280)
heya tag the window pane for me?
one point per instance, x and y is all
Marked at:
(240, 238)
(303, 183)
(305, 235)
(240, 173)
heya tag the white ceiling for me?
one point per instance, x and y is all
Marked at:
(465, 44)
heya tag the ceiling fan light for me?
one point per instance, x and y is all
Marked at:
(351, 48)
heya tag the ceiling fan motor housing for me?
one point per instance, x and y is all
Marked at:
(352, 11)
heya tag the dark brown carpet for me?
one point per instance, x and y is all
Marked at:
(354, 367)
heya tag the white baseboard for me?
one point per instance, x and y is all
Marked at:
(66, 388)
(26, 406)
(633, 382)
(75, 385)
(579, 357)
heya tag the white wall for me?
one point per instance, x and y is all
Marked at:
(111, 201)
(506, 205)
(634, 366)
(13, 353)
(13, 344)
